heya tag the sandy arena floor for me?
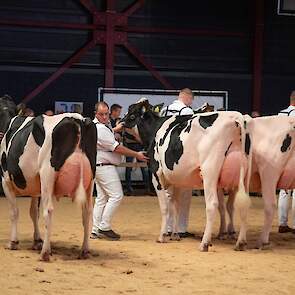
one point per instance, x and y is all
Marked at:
(138, 265)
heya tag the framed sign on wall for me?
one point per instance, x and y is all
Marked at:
(68, 107)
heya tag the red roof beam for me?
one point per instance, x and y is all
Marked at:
(136, 53)
(131, 9)
(151, 30)
(47, 24)
(75, 58)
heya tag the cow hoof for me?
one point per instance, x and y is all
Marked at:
(241, 246)
(205, 247)
(163, 238)
(84, 254)
(222, 236)
(264, 246)
(12, 245)
(232, 235)
(37, 244)
(175, 237)
(45, 256)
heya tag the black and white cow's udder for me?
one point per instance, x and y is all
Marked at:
(73, 155)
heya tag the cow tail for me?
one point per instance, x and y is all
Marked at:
(80, 194)
(242, 200)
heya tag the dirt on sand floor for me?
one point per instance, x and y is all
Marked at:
(139, 265)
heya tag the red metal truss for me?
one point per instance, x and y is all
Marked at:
(258, 54)
(75, 58)
(136, 53)
(110, 28)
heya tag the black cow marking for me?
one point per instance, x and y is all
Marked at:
(247, 144)
(3, 164)
(189, 126)
(286, 143)
(64, 141)
(226, 152)
(88, 142)
(17, 122)
(207, 121)
(178, 120)
(38, 130)
(154, 165)
(17, 147)
(175, 148)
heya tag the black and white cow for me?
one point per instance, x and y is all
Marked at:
(200, 151)
(47, 156)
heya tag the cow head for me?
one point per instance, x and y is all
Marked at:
(7, 111)
(142, 117)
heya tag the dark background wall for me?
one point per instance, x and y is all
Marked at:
(29, 55)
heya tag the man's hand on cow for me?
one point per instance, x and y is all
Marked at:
(118, 127)
(142, 157)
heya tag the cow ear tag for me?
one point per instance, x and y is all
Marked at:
(157, 109)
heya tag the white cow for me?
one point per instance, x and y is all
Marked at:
(273, 146)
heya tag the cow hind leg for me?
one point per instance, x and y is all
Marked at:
(211, 200)
(87, 219)
(47, 213)
(14, 214)
(230, 210)
(222, 228)
(163, 202)
(34, 213)
(269, 199)
(175, 204)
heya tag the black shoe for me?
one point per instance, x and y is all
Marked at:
(108, 234)
(285, 229)
(186, 235)
(129, 192)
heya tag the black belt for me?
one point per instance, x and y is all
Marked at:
(104, 164)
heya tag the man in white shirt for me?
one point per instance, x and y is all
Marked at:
(108, 184)
(284, 195)
(180, 107)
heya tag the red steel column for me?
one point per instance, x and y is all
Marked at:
(258, 54)
(110, 44)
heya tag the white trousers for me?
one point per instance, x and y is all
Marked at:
(185, 199)
(109, 196)
(283, 207)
